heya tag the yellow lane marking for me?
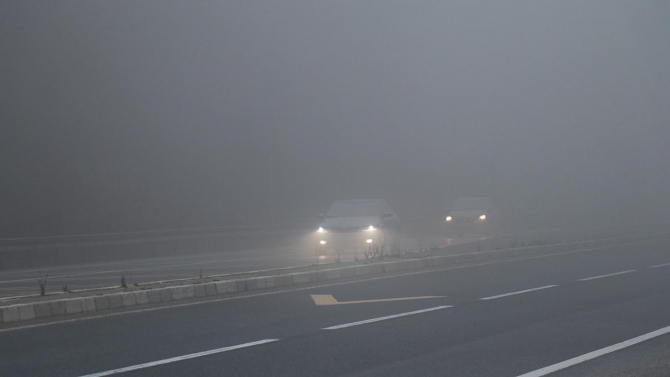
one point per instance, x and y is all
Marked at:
(324, 300)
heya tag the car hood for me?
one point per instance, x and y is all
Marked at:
(350, 222)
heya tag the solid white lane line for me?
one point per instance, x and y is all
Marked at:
(592, 355)
(180, 358)
(518, 292)
(660, 265)
(385, 318)
(608, 275)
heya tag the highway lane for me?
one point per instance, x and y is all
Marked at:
(648, 359)
(507, 335)
(22, 282)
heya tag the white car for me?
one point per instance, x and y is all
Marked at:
(473, 216)
(358, 225)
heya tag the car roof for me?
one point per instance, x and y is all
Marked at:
(476, 201)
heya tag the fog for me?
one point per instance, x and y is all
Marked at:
(134, 115)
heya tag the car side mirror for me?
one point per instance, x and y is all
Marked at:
(387, 214)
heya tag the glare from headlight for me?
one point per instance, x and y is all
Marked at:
(322, 242)
(321, 230)
(368, 240)
(370, 228)
(449, 218)
(482, 217)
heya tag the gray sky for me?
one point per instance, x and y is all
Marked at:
(128, 115)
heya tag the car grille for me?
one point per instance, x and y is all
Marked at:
(465, 221)
(345, 230)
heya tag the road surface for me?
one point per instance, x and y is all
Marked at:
(500, 318)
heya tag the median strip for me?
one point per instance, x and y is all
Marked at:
(180, 358)
(386, 318)
(608, 275)
(518, 292)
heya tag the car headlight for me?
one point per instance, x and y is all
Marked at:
(369, 240)
(482, 217)
(370, 228)
(322, 242)
(321, 230)
(449, 218)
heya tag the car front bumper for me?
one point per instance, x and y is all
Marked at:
(357, 241)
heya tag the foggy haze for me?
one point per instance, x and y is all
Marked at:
(132, 115)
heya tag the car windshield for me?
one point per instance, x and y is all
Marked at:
(471, 204)
(354, 208)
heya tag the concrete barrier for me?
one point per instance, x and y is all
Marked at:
(89, 304)
(58, 308)
(166, 294)
(200, 290)
(284, 280)
(335, 274)
(128, 299)
(210, 289)
(74, 305)
(11, 313)
(362, 270)
(260, 283)
(189, 291)
(300, 278)
(322, 275)
(26, 312)
(376, 269)
(42, 309)
(177, 293)
(102, 303)
(153, 294)
(141, 298)
(251, 284)
(115, 301)
(231, 286)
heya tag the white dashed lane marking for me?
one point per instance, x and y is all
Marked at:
(518, 292)
(180, 358)
(385, 318)
(592, 355)
(608, 275)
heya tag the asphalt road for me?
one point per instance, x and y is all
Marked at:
(502, 318)
(24, 282)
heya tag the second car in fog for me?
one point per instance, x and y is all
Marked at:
(358, 225)
(473, 216)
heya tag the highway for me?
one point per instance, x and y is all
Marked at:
(512, 318)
